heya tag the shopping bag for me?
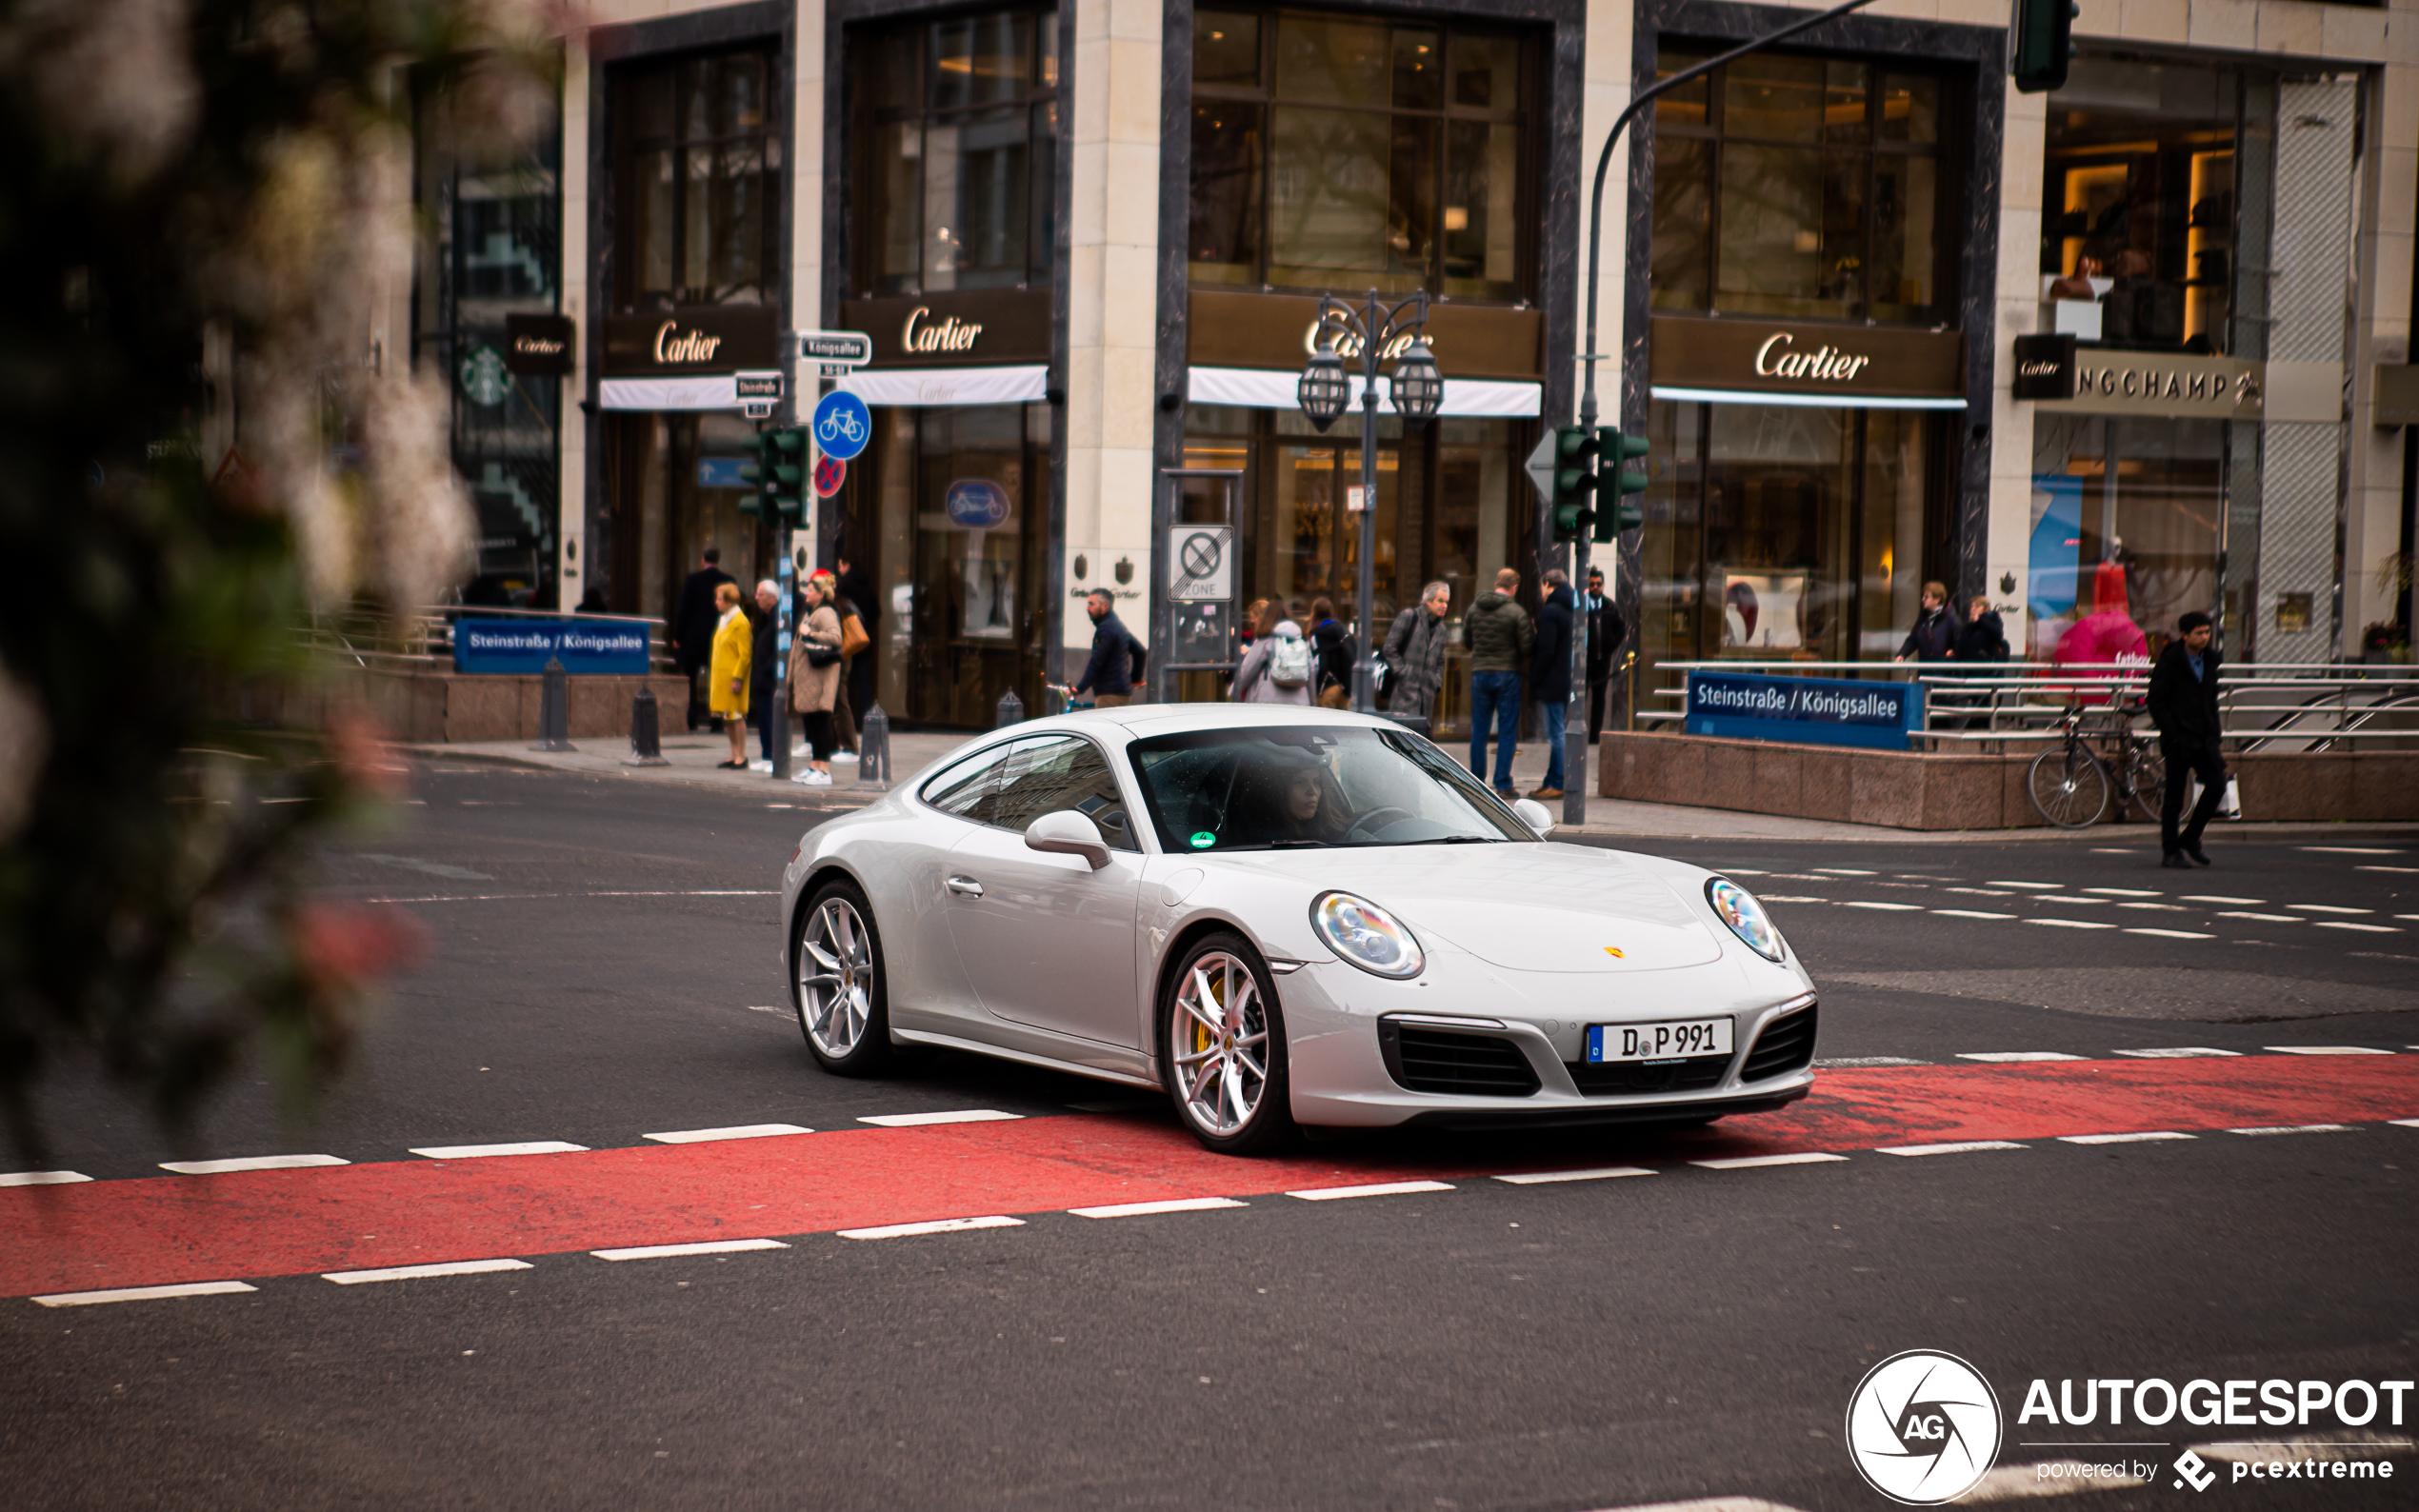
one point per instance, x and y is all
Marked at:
(2230, 805)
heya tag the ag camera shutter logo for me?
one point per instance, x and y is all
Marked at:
(1923, 1427)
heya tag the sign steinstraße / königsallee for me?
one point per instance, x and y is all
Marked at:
(1805, 710)
(592, 647)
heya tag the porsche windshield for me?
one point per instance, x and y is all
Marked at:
(1284, 787)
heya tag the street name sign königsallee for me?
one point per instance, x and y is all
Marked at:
(1810, 710)
(597, 648)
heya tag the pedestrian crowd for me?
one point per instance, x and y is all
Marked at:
(728, 648)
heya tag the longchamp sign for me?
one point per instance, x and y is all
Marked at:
(1807, 711)
(594, 648)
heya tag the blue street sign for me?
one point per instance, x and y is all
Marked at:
(842, 424)
(721, 472)
(977, 504)
(1810, 710)
(594, 647)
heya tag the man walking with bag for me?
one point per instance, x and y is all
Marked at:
(2183, 704)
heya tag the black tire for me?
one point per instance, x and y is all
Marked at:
(2069, 786)
(1205, 1059)
(838, 987)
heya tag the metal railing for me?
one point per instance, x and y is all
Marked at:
(2274, 707)
(424, 641)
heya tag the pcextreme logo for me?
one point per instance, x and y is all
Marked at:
(1923, 1427)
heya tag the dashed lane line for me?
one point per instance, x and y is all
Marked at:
(1891, 907)
(712, 1246)
(2263, 918)
(453, 1267)
(1172, 1205)
(938, 1225)
(2212, 897)
(2366, 928)
(737, 1131)
(2297, 1128)
(971, 1115)
(1745, 1162)
(2177, 1052)
(1953, 1147)
(2038, 886)
(2138, 1137)
(2404, 870)
(2015, 1057)
(2156, 908)
(1845, 872)
(1599, 1173)
(250, 1163)
(2073, 923)
(1330, 1194)
(2325, 908)
(42, 1178)
(1970, 913)
(2355, 850)
(2405, 1122)
(2324, 1049)
(2172, 934)
(480, 1152)
(2125, 892)
(190, 1288)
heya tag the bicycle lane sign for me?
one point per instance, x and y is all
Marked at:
(842, 424)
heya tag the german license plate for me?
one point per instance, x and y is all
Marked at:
(1657, 1041)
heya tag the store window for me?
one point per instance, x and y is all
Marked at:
(698, 159)
(1349, 151)
(958, 151)
(1803, 187)
(2148, 243)
(2146, 494)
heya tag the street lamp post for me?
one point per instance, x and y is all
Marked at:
(1418, 390)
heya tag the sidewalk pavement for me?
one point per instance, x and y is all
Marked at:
(692, 758)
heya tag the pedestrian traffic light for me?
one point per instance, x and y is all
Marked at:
(779, 474)
(2040, 42)
(1574, 480)
(1616, 450)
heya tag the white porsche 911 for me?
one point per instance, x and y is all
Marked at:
(1284, 917)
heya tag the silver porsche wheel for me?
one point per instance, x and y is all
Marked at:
(839, 963)
(1226, 1049)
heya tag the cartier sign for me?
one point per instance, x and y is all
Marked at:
(689, 340)
(537, 345)
(954, 328)
(1234, 328)
(1761, 356)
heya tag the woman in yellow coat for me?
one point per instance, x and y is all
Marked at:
(727, 685)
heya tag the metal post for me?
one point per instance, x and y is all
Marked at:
(1364, 579)
(873, 749)
(646, 732)
(553, 708)
(1011, 712)
(777, 717)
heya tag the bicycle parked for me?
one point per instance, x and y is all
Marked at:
(2070, 784)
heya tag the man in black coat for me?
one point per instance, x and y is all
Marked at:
(1605, 634)
(763, 660)
(1549, 675)
(1108, 677)
(2183, 704)
(693, 630)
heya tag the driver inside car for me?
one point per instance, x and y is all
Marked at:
(1288, 799)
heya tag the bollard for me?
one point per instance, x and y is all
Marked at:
(646, 735)
(554, 708)
(873, 749)
(1010, 710)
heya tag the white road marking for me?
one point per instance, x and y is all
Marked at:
(2040, 886)
(2404, 1123)
(1742, 871)
(1600, 1173)
(2017, 1483)
(2403, 869)
(2365, 928)
(1836, 1061)
(2172, 934)
(1969, 913)
(1845, 872)
(2163, 907)
(1980, 892)
(1174, 1204)
(192, 1288)
(1893, 907)
(254, 1163)
(480, 1152)
(2123, 1139)
(2066, 898)
(2264, 918)
(737, 1131)
(2073, 923)
(2125, 892)
(2325, 908)
(1956, 1148)
(972, 1114)
(42, 1178)
(766, 1007)
(1710, 1503)
(2177, 1052)
(1743, 1163)
(712, 1246)
(1775, 897)
(2352, 851)
(939, 1226)
(2297, 1128)
(458, 1268)
(2011, 1057)
(1330, 1194)
(2210, 897)
(2324, 1049)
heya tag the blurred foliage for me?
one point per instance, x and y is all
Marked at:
(177, 174)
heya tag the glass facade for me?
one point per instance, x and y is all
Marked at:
(699, 186)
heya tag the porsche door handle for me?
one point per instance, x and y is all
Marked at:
(965, 886)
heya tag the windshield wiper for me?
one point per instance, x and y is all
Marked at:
(1456, 840)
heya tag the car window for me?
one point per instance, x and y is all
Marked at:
(1260, 789)
(969, 788)
(1050, 772)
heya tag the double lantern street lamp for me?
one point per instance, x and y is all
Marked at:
(1417, 391)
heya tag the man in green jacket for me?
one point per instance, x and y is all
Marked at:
(1500, 638)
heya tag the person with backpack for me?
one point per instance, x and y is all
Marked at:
(1117, 657)
(1332, 645)
(1278, 667)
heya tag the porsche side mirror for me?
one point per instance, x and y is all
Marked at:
(1067, 833)
(1536, 815)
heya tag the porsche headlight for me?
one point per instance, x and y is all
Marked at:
(1744, 916)
(1367, 935)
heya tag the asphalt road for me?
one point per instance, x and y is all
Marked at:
(603, 958)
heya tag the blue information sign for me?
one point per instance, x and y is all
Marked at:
(1819, 711)
(977, 503)
(594, 647)
(842, 424)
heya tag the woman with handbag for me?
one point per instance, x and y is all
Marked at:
(814, 677)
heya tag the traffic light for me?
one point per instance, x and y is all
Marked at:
(1617, 450)
(2040, 42)
(779, 473)
(1574, 480)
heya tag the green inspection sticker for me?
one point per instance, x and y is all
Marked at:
(1203, 839)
